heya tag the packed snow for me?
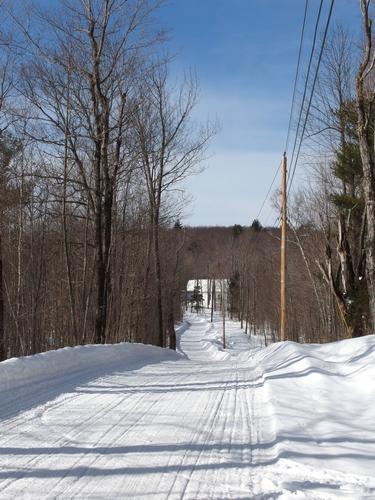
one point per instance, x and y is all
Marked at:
(287, 421)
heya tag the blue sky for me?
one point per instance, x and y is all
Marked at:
(244, 53)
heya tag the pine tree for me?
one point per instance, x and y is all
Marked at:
(197, 298)
(346, 272)
(256, 225)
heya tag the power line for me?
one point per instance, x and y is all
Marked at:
(292, 105)
(307, 79)
(296, 75)
(268, 192)
(304, 94)
(312, 94)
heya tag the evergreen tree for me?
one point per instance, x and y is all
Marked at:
(347, 281)
(197, 298)
(178, 225)
(256, 225)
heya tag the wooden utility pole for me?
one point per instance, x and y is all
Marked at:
(213, 299)
(283, 253)
(223, 304)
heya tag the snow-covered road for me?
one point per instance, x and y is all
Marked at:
(208, 424)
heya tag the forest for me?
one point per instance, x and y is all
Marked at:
(96, 135)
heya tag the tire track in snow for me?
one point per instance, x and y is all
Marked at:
(204, 432)
(19, 401)
(228, 430)
(207, 431)
(192, 439)
(117, 438)
(62, 441)
(216, 424)
(206, 479)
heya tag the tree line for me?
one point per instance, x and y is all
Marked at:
(331, 217)
(248, 259)
(95, 135)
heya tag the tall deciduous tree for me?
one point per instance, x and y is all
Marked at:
(168, 151)
(80, 83)
(365, 111)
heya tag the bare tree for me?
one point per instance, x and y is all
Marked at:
(80, 87)
(6, 152)
(365, 112)
(168, 152)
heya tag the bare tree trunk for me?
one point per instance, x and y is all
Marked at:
(19, 266)
(100, 285)
(3, 353)
(173, 293)
(242, 303)
(103, 182)
(247, 318)
(68, 265)
(253, 327)
(318, 301)
(365, 136)
(335, 289)
(146, 286)
(85, 296)
(36, 340)
(160, 320)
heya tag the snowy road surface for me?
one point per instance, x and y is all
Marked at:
(283, 422)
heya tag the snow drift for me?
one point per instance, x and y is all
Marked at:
(46, 366)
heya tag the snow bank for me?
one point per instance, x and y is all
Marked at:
(17, 372)
(321, 403)
(336, 358)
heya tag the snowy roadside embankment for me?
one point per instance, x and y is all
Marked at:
(323, 403)
(46, 366)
